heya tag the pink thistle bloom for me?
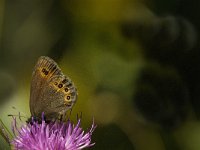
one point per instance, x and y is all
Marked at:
(51, 136)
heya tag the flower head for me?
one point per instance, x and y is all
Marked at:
(50, 136)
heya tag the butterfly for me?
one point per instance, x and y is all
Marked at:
(51, 92)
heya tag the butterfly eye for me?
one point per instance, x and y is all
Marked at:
(56, 83)
(60, 85)
(68, 97)
(66, 90)
(45, 71)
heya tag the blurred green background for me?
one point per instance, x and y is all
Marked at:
(136, 65)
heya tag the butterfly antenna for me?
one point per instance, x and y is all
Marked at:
(19, 114)
(20, 117)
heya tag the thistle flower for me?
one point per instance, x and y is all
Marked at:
(51, 136)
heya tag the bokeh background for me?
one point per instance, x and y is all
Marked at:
(135, 63)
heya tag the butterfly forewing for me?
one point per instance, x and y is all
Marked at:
(49, 91)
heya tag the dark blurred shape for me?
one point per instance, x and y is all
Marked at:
(165, 39)
(58, 50)
(169, 140)
(165, 7)
(111, 137)
(7, 86)
(191, 70)
(60, 22)
(172, 41)
(30, 30)
(161, 96)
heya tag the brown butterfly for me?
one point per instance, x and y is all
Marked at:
(51, 91)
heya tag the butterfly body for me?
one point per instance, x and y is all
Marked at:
(51, 91)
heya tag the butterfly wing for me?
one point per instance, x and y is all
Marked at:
(51, 92)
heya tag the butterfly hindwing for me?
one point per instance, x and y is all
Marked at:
(51, 92)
